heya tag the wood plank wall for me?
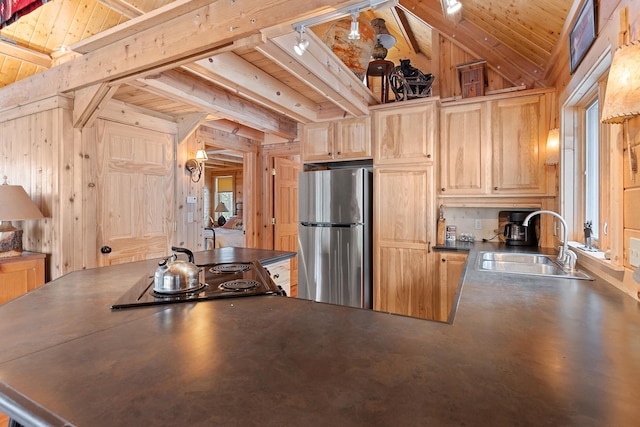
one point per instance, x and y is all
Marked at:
(566, 85)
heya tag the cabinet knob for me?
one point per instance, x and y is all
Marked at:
(442, 189)
(495, 188)
(339, 152)
(105, 249)
(276, 276)
(428, 156)
(444, 260)
(329, 153)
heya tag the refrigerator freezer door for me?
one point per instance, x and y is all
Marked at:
(331, 196)
(331, 266)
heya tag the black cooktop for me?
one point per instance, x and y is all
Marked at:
(223, 280)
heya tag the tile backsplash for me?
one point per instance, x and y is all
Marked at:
(466, 220)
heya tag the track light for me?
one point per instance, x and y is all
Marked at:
(453, 6)
(355, 33)
(302, 44)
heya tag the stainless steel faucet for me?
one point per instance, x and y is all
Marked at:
(566, 257)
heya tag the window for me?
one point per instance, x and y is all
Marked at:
(224, 195)
(592, 169)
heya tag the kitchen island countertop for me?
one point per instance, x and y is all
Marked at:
(521, 351)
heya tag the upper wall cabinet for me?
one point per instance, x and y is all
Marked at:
(348, 139)
(405, 134)
(494, 147)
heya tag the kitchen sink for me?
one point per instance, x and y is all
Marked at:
(526, 263)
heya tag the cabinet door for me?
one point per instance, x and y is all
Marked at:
(450, 272)
(405, 135)
(465, 150)
(518, 151)
(20, 274)
(403, 226)
(353, 139)
(317, 142)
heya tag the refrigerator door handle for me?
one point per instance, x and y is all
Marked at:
(325, 224)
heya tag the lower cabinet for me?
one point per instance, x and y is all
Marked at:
(450, 267)
(281, 274)
(20, 274)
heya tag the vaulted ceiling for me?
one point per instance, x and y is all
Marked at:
(252, 84)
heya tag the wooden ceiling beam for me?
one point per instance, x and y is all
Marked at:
(239, 76)
(217, 138)
(405, 29)
(23, 54)
(507, 63)
(123, 8)
(88, 103)
(170, 37)
(236, 129)
(178, 85)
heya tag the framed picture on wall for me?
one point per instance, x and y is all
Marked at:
(583, 34)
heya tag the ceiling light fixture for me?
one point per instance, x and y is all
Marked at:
(354, 34)
(453, 6)
(302, 44)
(353, 10)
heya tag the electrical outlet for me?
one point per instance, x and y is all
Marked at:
(634, 252)
(478, 224)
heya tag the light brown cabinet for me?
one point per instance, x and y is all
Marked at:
(20, 274)
(450, 270)
(405, 134)
(348, 139)
(404, 212)
(494, 148)
(403, 200)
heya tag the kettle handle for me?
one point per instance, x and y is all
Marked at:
(184, 250)
(507, 230)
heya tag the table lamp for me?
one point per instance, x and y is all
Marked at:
(221, 208)
(15, 205)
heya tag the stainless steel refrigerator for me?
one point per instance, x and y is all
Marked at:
(334, 237)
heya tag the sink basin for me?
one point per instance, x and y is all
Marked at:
(526, 263)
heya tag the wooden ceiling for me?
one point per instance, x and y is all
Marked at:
(254, 82)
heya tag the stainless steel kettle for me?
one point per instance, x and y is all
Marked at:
(175, 275)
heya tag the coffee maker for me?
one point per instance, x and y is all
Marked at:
(517, 234)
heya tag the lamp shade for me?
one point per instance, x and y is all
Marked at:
(382, 33)
(16, 205)
(622, 99)
(201, 156)
(553, 147)
(221, 208)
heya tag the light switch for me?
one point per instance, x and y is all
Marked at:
(634, 252)
(191, 199)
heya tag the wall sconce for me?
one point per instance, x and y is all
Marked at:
(194, 166)
(622, 98)
(15, 205)
(353, 10)
(553, 147)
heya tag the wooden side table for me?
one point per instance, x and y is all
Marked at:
(20, 274)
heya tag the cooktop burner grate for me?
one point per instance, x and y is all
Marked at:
(230, 268)
(239, 285)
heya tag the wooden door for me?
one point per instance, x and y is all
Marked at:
(285, 207)
(135, 193)
(465, 149)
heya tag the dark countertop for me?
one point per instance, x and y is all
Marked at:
(521, 351)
